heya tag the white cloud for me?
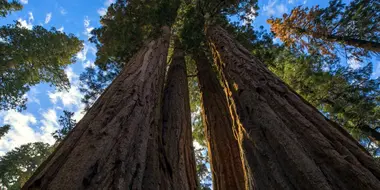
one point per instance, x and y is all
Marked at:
(353, 63)
(61, 29)
(20, 132)
(87, 27)
(49, 125)
(32, 96)
(196, 145)
(87, 32)
(88, 63)
(108, 2)
(25, 24)
(102, 11)
(82, 55)
(48, 18)
(376, 72)
(24, 2)
(86, 22)
(70, 98)
(31, 17)
(297, 2)
(251, 17)
(62, 11)
(272, 9)
(281, 9)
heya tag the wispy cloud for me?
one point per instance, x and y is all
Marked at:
(376, 72)
(274, 9)
(31, 17)
(27, 23)
(71, 99)
(295, 2)
(88, 63)
(32, 96)
(62, 11)
(24, 2)
(109, 2)
(87, 48)
(61, 29)
(250, 17)
(48, 18)
(22, 130)
(87, 27)
(102, 11)
(20, 133)
(82, 55)
(353, 63)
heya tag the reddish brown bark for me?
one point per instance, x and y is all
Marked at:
(225, 159)
(177, 134)
(117, 143)
(287, 143)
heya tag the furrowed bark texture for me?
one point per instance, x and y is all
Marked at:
(177, 134)
(224, 152)
(116, 145)
(286, 142)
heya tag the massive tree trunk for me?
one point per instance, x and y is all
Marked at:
(117, 143)
(224, 153)
(177, 134)
(287, 143)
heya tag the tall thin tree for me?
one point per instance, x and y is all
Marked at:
(224, 152)
(177, 134)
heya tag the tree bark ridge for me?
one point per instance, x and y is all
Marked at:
(224, 152)
(115, 145)
(287, 143)
(177, 133)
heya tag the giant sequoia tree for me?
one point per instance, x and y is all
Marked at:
(226, 163)
(137, 134)
(286, 142)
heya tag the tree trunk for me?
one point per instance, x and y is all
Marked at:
(287, 143)
(177, 134)
(225, 158)
(117, 143)
(359, 43)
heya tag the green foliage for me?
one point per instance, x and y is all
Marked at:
(4, 130)
(67, 123)
(203, 168)
(352, 29)
(127, 25)
(8, 7)
(93, 82)
(348, 97)
(125, 28)
(18, 165)
(29, 57)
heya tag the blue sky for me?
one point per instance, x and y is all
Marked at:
(79, 17)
